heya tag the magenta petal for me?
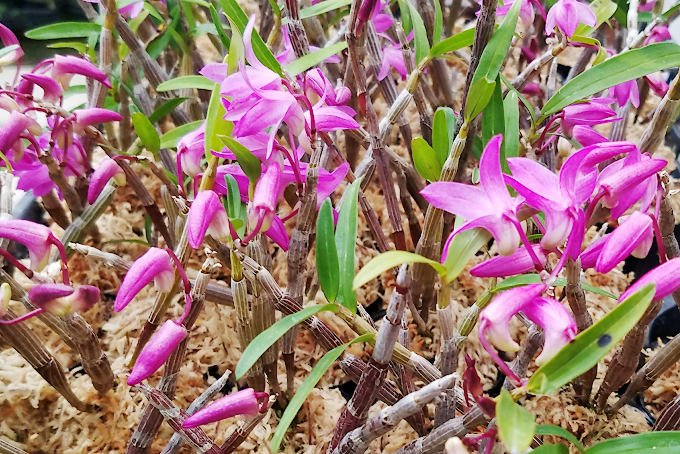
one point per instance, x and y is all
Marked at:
(587, 136)
(216, 72)
(490, 173)
(329, 181)
(204, 211)
(154, 264)
(51, 89)
(8, 38)
(518, 262)
(36, 238)
(156, 351)
(243, 402)
(558, 325)
(591, 253)
(277, 233)
(623, 241)
(105, 171)
(69, 65)
(95, 115)
(457, 198)
(664, 277)
(43, 294)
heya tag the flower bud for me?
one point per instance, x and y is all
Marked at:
(156, 351)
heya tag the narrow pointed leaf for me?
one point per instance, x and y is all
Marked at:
(420, 34)
(493, 120)
(327, 266)
(550, 429)
(170, 138)
(268, 337)
(307, 386)
(62, 30)
(651, 442)
(551, 448)
(490, 63)
(182, 82)
(246, 159)
(391, 259)
(591, 345)
(515, 424)
(453, 43)
(620, 68)
(312, 59)
(510, 146)
(323, 7)
(215, 124)
(165, 109)
(438, 22)
(345, 238)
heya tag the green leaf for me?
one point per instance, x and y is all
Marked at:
(183, 82)
(235, 209)
(420, 34)
(306, 387)
(438, 22)
(345, 237)
(390, 259)
(463, 247)
(591, 345)
(327, 266)
(443, 132)
(323, 7)
(146, 132)
(550, 429)
(425, 159)
(62, 30)
(620, 68)
(405, 13)
(551, 448)
(493, 56)
(158, 45)
(250, 165)
(515, 424)
(651, 442)
(240, 20)
(219, 27)
(453, 43)
(215, 124)
(493, 121)
(79, 47)
(165, 109)
(268, 337)
(312, 59)
(511, 117)
(170, 138)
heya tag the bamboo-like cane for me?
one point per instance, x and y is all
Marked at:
(356, 410)
(650, 372)
(9, 447)
(357, 441)
(669, 418)
(576, 298)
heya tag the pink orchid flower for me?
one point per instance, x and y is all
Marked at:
(244, 402)
(155, 265)
(8, 38)
(659, 34)
(587, 136)
(632, 237)
(488, 206)
(626, 92)
(52, 91)
(664, 277)
(107, 170)
(18, 125)
(157, 350)
(393, 57)
(519, 262)
(657, 83)
(65, 67)
(557, 323)
(62, 298)
(36, 237)
(567, 15)
(206, 216)
(593, 112)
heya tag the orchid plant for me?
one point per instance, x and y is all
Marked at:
(269, 153)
